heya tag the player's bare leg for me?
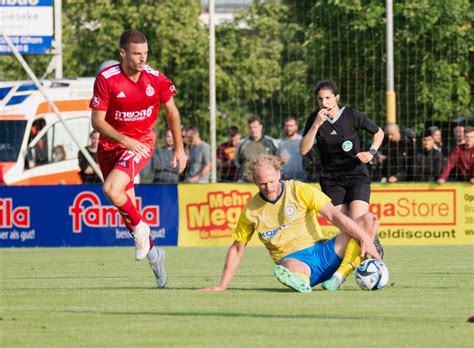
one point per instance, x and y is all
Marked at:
(294, 274)
(352, 258)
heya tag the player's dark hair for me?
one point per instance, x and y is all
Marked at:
(255, 118)
(326, 84)
(131, 36)
(233, 131)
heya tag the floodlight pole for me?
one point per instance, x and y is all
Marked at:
(391, 97)
(212, 88)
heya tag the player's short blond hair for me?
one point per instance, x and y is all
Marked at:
(263, 161)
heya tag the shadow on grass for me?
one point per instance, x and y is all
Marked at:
(262, 316)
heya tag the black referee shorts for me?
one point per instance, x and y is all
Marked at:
(343, 188)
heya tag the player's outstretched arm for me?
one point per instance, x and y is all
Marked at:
(351, 228)
(232, 261)
(103, 127)
(174, 124)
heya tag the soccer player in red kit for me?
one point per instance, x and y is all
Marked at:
(125, 105)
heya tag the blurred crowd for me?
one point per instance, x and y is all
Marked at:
(404, 157)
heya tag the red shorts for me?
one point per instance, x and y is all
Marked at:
(121, 159)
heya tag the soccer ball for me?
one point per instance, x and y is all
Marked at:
(372, 275)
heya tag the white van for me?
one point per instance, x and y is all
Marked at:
(35, 148)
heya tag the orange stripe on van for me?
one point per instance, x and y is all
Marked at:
(64, 106)
(63, 178)
(12, 117)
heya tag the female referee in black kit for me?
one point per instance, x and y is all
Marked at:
(344, 175)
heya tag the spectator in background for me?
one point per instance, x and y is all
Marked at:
(162, 168)
(410, 135)
(226, 154)
(289, 151)
(428, 160)
(458, 132)
(437, 138)
(199, 157)
(182, 175)
(59, 154)
(398, 155)
(461, 157)
(86, 172)
(254, 145)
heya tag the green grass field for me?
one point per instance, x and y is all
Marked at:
(101, 297)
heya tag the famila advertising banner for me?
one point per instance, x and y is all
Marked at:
(80, 215)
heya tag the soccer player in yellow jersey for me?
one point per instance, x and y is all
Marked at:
(283, 214)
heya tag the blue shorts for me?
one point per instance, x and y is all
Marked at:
(321, 259)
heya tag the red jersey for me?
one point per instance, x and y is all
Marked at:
(132, 107)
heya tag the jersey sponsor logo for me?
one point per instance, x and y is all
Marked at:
(150, 90)
(268, 235)
(95, 101)
(333, 133)
(87, 209)
(347, 145)
(130, 116)
(121, 95)
(290, 210)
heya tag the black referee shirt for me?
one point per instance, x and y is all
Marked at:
(339, 142)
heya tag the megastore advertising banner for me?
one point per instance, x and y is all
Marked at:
(410, 214)
(80, 215)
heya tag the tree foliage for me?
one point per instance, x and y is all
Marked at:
(270, 57)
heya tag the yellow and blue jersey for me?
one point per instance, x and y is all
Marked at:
(287, 225)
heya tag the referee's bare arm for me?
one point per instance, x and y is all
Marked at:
(307, 141)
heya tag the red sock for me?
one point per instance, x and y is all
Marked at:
(151, 244)
(129, 210)
(127, 223)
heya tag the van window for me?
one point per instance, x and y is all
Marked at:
(59, 144)
(60, 139)
(11, 136)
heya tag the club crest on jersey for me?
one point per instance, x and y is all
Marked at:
(290, 210)
(150, 90)
(347, 145)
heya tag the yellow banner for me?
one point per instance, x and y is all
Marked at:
(410, 214)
